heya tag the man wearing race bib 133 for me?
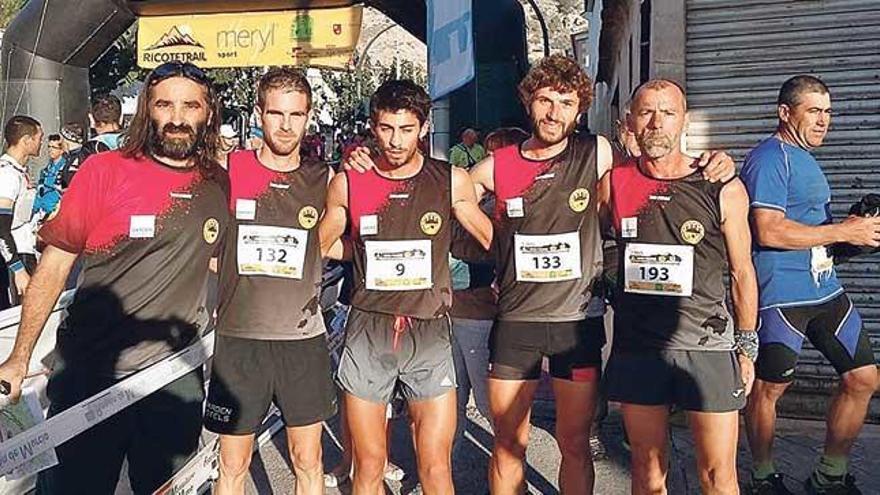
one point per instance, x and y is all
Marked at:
(398, 332)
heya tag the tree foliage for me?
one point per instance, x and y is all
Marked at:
(353, 88)
(118, 66)
(8, 11)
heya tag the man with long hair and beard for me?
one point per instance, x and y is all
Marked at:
(144, 222)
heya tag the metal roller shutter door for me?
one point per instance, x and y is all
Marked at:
(738, 54)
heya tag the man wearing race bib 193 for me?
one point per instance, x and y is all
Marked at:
(271, 344)
(398, 332)
(675, 343)
(801, 297)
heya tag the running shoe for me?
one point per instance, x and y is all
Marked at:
(842, 485)
(771, 485)
(393, 472)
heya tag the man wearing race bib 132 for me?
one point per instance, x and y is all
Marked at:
(271, 344)
(398, 332)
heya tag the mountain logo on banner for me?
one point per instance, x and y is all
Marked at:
(177, 45)
(175, 38)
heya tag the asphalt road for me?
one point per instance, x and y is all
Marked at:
(798, 445)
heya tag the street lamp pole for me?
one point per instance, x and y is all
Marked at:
(363, 57)
(534, 5)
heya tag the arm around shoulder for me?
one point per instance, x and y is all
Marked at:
(467, 210)
(483, 177)
(604, 157)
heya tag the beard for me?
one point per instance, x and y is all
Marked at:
(400, 156)
(177, 148)
(281, 148)
(558, 133)
(655, 144)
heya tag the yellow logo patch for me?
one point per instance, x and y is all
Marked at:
(211, 230)
(692, 232)
(308, 217)
(431, 223)
(579, 199)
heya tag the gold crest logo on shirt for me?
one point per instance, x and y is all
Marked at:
(692, 232)
(579, 199)
(431, 223)
(308, 217)
(211, 230)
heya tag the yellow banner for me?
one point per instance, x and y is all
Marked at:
(319, 37)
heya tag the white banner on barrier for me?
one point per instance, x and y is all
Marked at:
(18, 418)
(198, 471)
(26, 446)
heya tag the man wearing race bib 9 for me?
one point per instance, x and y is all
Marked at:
(271, 344)
(398, 332)
(675, 343)
(801, 296)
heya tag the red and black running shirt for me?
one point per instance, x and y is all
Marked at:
(542, 210)
(270, 271)
(402, 237)
(683, 212)
(145, 233)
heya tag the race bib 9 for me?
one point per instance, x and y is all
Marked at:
(271, 251)
(547, 258)
(398, 265)
(659, 269)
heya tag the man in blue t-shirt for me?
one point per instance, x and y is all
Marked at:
(49, 184)
(799, 293)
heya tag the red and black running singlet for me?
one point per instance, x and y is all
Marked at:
(144, 233)
(270, 276)
(672, 259)
(547, 232)
(402, 236)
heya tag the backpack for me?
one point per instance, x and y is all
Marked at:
(76, 158)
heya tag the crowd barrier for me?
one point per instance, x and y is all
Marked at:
(193, 478)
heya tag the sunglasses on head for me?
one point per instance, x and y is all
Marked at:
(178, 69)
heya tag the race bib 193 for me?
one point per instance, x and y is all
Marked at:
(398, 265)
(547, 258)
(271, 251)
(659, 269)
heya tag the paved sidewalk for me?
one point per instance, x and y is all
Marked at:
(797, 447)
